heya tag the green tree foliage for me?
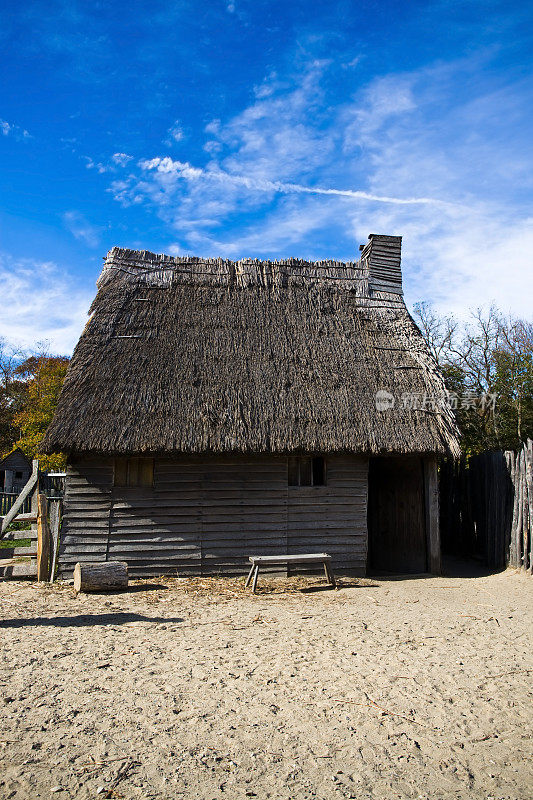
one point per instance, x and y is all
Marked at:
(487, 366)
(514, 382)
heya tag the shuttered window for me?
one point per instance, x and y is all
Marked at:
(134, 472)
(306, 471)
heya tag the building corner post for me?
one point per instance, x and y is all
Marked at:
(431, 492)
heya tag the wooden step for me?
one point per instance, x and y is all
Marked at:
(24, 570)
(24, 534)
(16, 568)
(26, 551)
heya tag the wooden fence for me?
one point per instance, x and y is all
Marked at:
(44, 514)
(7, 499)
(487, 507)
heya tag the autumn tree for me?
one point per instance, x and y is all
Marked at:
(12, 390)
(43, 377)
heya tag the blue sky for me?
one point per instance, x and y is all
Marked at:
(250, 128)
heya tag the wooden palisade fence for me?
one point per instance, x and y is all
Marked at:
(520, 466)
(45, 518)
(487, 507)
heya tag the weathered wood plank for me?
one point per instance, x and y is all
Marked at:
(19, 502)
(431, 492)
(215, 512)
(43, 540)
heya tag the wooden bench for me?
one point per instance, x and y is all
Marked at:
(304, 558)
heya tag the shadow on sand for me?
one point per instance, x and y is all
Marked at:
(85, 620)
(452, 567)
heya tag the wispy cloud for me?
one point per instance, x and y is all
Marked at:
(10, 129)
(405, 155)
(45, 303)
(97, 165)
(116, 162)
(174, 134)
(166, 166)
(121, 159)
(81, 229)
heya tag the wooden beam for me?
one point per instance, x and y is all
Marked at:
(12, 513)
(43, 539)
(55, 520)
(431, 494)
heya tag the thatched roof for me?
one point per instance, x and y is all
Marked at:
(191, 355)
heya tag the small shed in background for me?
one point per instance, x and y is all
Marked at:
(15, 470)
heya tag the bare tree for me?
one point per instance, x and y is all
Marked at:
(440, 332)
(516, 345)
(10, 358)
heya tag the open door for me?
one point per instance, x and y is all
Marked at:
(396, 515)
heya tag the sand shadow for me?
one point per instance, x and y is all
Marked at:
(465, 567)
(84, 620)
(318, 588)
(452, 567)
(327, 587)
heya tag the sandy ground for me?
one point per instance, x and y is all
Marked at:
(415, 688)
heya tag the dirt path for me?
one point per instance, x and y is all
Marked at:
(390, 689)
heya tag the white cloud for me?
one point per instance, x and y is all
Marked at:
(81, 229)
(118, 160)
(174, 134)
(121, 159)
(166, 166)
(384, 99)
(98, 166)
(407, 154)
(9, 129)
(45, 304)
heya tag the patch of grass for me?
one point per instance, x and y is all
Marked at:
(9, 544)
(19, 526)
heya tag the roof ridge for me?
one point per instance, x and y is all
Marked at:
(123, 254)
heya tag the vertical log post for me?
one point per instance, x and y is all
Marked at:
(34, 507)
(518, 490)
(512, 550)
(55, 521)
(43, 539)
(529, 484)
(431, 492)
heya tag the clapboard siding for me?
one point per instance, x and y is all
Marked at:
(159, 530)
(206, 516)
(332, 518)
(86, 510)
(237, 498)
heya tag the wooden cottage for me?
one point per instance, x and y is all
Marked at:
(15, 469)
(216, 409)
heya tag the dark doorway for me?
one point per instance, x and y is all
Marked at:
(396, 515)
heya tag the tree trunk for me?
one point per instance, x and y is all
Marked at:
(103, 576)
